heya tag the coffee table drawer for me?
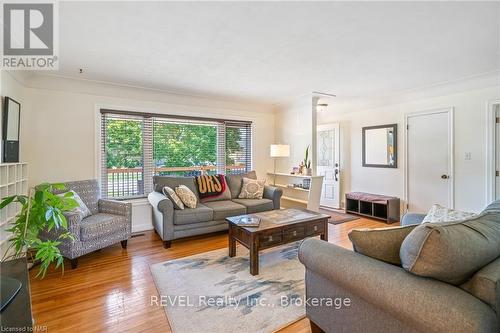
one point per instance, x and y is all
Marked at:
(294, 233)
(315, 228)
(270, 238)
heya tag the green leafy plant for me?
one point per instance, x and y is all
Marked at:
(41, 210)
(307, 161)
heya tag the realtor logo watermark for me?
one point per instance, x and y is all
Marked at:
(30, 35)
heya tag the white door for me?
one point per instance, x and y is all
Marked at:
(328, 164)
(497, 154)
(429, 160)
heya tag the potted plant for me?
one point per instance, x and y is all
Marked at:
(307, 163)
(41, 210)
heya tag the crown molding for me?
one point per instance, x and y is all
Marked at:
(57, 82)
(346, 104)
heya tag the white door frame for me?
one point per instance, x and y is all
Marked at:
(490, 149)
(451, 183)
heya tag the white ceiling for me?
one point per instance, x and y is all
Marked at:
(274, 51)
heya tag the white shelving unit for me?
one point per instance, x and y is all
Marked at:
(309, 197)
(13, 181)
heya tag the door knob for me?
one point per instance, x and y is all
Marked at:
(445, 176)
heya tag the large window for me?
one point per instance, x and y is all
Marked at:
(137, 146)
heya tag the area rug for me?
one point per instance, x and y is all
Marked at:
(339, 217)
(212, 292)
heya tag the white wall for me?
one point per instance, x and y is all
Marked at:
(294, 126)
(59, 131)
(10, 87)
(470, 129)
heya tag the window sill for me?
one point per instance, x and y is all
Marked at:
(134, 200)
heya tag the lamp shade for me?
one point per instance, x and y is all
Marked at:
(280, 150)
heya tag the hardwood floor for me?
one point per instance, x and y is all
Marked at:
(110, 290)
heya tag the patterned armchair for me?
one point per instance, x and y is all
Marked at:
(110, 223)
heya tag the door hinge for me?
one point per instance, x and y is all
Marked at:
(497, 173)
(497, 120)
(408, 126)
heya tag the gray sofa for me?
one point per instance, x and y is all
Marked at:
(386, 298)
(207, 217)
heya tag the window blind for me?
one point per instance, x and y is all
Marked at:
(184, 148)
(136, 146)
(122, 156)
(238, 147)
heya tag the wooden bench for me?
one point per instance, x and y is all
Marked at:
(376, 206)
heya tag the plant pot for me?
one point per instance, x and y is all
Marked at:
(309, 171)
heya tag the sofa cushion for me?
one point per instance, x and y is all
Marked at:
(193, 215)
(438, 213)
(452, 251)
(173, 181)
(485, 284)
(89, 192)
(82, 208)
(381, 243)
(256, 205)
(216, 192)
(223, 209)
(234, 182)
(189, 199)
(101, 224)
(172, 196)
(252, 188)
(412, 218)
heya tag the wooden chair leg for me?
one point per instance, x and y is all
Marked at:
(124, 244)
(315, 328)
(167, 244)
(74, 263)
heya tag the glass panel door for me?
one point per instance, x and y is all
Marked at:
(328, 164)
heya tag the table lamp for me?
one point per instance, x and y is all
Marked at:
(278, 150)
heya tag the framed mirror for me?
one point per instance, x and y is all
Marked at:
(11, 125)
(380, 146)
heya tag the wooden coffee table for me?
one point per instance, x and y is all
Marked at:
(277, 227)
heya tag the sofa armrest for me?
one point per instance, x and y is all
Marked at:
(423, 303)
(163, 215)
(73, 219)
(412, 218)
(274, 194)
(115, 207)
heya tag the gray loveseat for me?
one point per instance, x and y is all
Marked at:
(207, 217)
(386, 298)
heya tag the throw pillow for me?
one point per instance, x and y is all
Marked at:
(452, 251)
(381, 243)
(252, 189)
(438, 213)
(187, 196)
(235, 181)
(212, 188)
(82, 208)
(169, 193)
